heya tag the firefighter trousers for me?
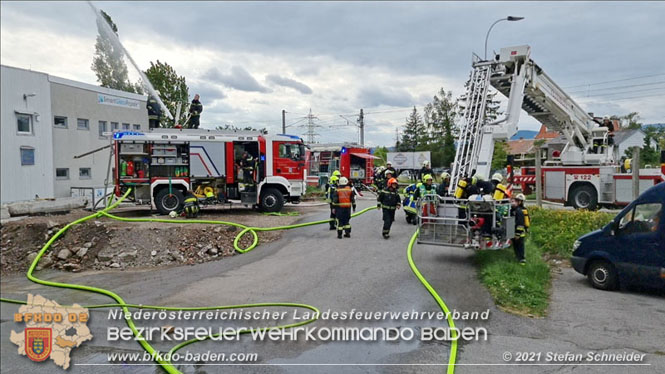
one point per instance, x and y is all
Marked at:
(518, 247)
(388, 219)
(333, 217)
(343, 220)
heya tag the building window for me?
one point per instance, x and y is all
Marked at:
(59, 121)
(24, 123)
(137, 127)
(82, 124)
(27, 156)
(103, 127)
(85, 173)
(115, 126)
(125, 126)
(62, 173)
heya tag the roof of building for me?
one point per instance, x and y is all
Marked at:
(544, 133)
(520, 147)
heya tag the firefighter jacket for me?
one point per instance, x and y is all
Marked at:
(409, 202)
(520, 225)
(442, 189)
(485, 187)
(424, 171)
(344, 197)
(424, 190)
(195, 108)
(465, 189)
(154, 110)
(388, 199)
(330, 190)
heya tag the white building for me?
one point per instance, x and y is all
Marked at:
(629, 138)
(27, 135)
(55, 121)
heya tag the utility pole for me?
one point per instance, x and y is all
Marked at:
(361, 124)
(310, 127)
(539, 180)
(283, 121)
(635, 166)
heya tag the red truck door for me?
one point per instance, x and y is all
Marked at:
(288, 160)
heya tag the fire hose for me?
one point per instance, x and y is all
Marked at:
(120, 302)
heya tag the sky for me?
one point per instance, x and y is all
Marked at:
(251, 60)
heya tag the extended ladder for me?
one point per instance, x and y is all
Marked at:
(473, 121)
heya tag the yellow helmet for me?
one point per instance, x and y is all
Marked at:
(334, 178)
(427, 177)
(336, 173)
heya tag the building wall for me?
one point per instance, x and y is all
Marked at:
(23, 182)
(75, 100)
(634, 140)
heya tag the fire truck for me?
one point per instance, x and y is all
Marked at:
(352, 160)
(583, 174)
(162, 165)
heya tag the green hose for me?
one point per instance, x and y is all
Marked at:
(166, 364)
(442, 305)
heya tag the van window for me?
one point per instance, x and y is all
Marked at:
(641, 219)
(292, 151)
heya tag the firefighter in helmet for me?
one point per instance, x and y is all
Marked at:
(343, 201)
(154, 111)
(522, 223)
(389, 201)
(442, 190)
(331, 186)
(191, 205)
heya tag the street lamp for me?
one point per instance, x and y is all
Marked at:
(509, 18)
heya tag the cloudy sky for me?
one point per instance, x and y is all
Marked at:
(250, 60)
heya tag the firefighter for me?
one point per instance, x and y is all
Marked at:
(426, 169)
(465, 188)
(387, 175)
(389, 166)
(442, 190)
(195, 109)
(522, 223)
(410, 206)
(247, 163)
(191, 205)
(378, 178)
(389, 201)
(425, 190)
(343, 201)
(500, 190)
(331, 186)
(154, 111)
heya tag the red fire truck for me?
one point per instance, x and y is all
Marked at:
(163, 164)
(352, 160)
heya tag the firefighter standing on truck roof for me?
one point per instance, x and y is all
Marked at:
(388, 201)
(343, 201)
(522, 224)
(154, 111)
(195, 109)
(331, 186)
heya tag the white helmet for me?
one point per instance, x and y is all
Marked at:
(388, 163)
(497, 177)
(343, 181)
(479, 177)
(445, 175)
(520, 196)
(425, 163)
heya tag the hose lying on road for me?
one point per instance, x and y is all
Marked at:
(120, 303)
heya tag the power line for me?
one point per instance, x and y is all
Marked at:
(625, 92)
(619, 87)
(614, 81)
(637, 97)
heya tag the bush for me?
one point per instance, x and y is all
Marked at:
(555, 231)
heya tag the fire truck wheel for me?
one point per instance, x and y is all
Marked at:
(166, 202)
(271, 200)
(584, 197)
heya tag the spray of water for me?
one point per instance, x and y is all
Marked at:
(108, 32)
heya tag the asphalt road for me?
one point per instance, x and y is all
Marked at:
(366, 273)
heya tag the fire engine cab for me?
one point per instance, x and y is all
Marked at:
(162, 165)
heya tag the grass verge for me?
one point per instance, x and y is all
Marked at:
(525, 289)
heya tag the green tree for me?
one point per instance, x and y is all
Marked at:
(108, 62)
(631, 120)
(382, 154)
(228, 127)
(500, 156)
(172, 90)
(414, 136)
(440, 116)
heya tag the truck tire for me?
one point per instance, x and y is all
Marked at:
(166, 203)
(271, 200)
(602, 275)
(583, 197)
